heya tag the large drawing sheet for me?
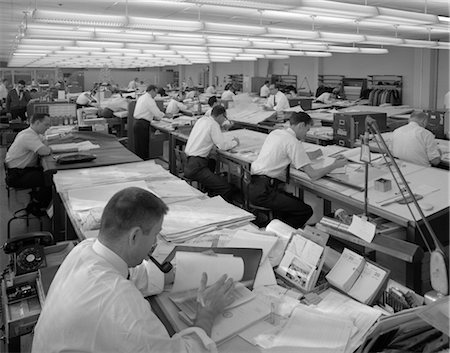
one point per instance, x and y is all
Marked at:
(310, 330)
(98, 196)
(191, 265)
(249, 141)
(245, 111)
(88, 177)
(188, 219)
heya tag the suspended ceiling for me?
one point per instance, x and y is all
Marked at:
(137, 33)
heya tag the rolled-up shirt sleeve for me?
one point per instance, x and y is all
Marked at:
(220, 140)
(147, 278)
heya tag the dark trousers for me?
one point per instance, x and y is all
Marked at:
(263, 191)
(18, 113)
(142, 138)
(199, 169)
(31, 177)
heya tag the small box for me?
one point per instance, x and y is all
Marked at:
(383, 185)
(347, 127)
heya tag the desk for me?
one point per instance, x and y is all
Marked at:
(111, 152)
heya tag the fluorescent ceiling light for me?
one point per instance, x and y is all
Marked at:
(292, 33)
(272, 45)
(244, 55)
(176, 40)
(224, 50)
(373, 51)
(258, 51)
(239, 43)
(276, 56)
(342, 37)
(337, 9)
(339, 49)
(49, 34)
(164, 24)
(379, 40)
(443, 45)
(404, 17)
(146, 46)
(99, 44)
(307, 46)
(78, 18)
(418, 43)
(238, 58)
(234, 28)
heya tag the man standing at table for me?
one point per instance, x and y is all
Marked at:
(281, 149)
(23, 164)
(264, 92)
(414, 143)
(3, 92)
(277, 100)
(17, 101)
(145, 111)
(228, 93)
(96, 300)
(133, 85)
(204, 136)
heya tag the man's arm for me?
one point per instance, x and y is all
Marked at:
(44, 150)
(315, 174)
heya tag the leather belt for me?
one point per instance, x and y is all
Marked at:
(271, 181)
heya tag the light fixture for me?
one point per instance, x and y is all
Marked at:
(336, 9)
(78, 18)
(233, 28)
(342, 37)
(404, 17)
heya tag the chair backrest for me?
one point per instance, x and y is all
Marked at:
(181, 160)
(130, 126)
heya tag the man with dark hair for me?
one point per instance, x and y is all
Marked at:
(277, 100)
(281, 149)
(212, 102)
(264, 91)
(17, 101)
(204, 136)
(22, 159)
(145, 111)
(96, 300)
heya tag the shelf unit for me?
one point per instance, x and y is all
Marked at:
(388, 82)
(353, 87)
(284, 81)
(330, 80)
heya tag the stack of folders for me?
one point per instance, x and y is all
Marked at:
(361, 279)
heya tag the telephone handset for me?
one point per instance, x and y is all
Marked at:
(28, 251)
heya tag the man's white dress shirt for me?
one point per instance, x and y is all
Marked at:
(204, 136)
(264, 91)
(132, 85)
(227, 95)
(278, 102)
(280, 149)
(146, 108)
(414, 144)
(174, 107)
(23, 151)
(3, 91)
(210, 91)
(91, 306)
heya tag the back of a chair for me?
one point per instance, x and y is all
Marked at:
(130, 126)
(246, 179)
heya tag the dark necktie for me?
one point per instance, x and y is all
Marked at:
(274, 100)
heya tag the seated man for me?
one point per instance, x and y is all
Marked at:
(277, 100)
(414, 143)
(228, 93)
(86, 99)
(281, 149)
(212, 102)
(264, 91)
(210, 90)
(23, 165)
(205, 134)
(96, 300)
(176, 105)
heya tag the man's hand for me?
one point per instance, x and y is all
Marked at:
(212, 301)
(340, 161)
(237, 140)
(168, 115)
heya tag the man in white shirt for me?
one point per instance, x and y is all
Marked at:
(210, 90)
(277, 100)
(229, 92)
(17, 101)
(414, 143)
(133, 84)
(23, 163)
(96, 300)
(204, 136)
(176, 105)
(264, 91)
(281, 149)
(3, 91)
(145, 111)
(87, 99)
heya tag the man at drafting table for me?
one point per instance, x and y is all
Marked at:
(277, 100)
(414, 143)
(96, 300)
(204, 136)
(281, 149)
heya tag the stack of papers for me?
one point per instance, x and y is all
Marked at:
(186, 220)
(73, 147)
(249, 141)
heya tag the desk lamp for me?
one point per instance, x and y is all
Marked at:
(438, 259)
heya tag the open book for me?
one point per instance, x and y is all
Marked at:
(359, 278)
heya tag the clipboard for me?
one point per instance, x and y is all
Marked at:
(250, 256)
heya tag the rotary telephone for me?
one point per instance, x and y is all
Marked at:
(28, 251)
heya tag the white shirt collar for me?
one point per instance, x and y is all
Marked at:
(115, 260)
(290, 131)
